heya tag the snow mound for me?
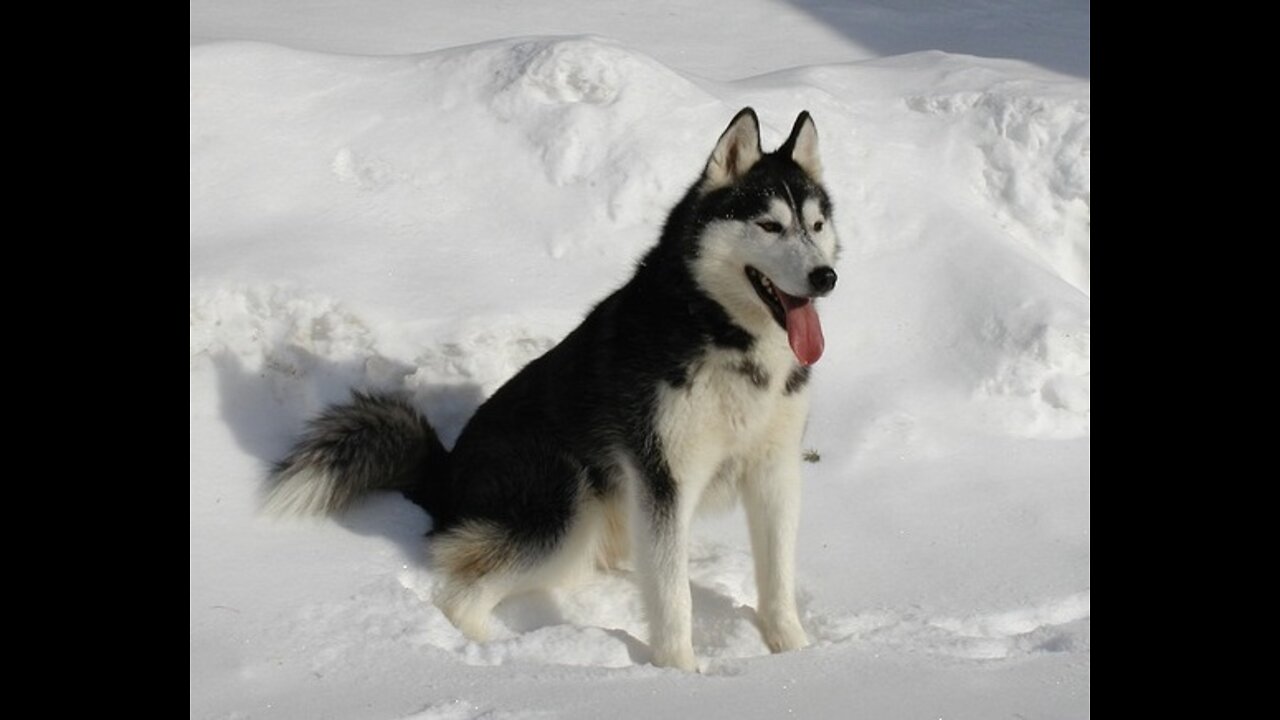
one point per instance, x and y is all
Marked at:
(1040, 379)
(430, 223)
(252, 322)
(412, 144)
(309, 350)
(1053, 626)
(1034, 173)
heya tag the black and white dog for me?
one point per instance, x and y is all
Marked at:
(686, 387)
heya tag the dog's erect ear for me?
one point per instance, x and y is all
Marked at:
(802, 146)
(735, 153)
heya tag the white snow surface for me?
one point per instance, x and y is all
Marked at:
(425, 196)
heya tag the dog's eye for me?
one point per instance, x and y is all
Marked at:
(770, 226)
(817, 227)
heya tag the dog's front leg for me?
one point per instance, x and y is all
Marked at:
(771, 495)
(661, 518)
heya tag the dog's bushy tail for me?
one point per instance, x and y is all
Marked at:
(374, 442)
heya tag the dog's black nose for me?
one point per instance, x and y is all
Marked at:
(822, 280)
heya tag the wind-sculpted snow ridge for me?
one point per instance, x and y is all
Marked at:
(1034, 173)
(1051, 626)
(309, 350)
(567, 130)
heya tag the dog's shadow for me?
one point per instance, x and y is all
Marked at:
(266, 411)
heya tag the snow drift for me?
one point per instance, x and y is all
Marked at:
(433, 222)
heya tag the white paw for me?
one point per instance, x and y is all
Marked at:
(476, 629)
(472, 623)
(783, 634)
(681, 658)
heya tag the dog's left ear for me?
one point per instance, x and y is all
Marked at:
(802, 146)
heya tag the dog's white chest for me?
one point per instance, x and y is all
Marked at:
(730, 405)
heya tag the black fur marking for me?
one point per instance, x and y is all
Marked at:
(733, 337)
(659, 487)
(662, 490)
(756, 374)
(678, 378)
(796, 381)
(600, 480)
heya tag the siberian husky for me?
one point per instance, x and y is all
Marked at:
(687, 386)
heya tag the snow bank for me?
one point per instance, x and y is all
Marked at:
(306, 162)
(433, 222)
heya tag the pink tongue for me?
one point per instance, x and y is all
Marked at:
(804, 331)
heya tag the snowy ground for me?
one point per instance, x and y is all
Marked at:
(416, 195)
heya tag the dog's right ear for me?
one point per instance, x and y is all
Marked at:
(737, 150)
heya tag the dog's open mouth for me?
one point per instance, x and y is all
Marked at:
(796, 315)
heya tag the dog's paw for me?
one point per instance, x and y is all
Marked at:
(681, 658)
(473, 621)
(782, 635)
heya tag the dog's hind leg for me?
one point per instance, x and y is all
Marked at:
(615, 540)
(477, 562)
(469, 606)
(484, 564)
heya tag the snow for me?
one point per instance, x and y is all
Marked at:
(398, 194)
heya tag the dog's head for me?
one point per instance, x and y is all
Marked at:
(767, 242)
